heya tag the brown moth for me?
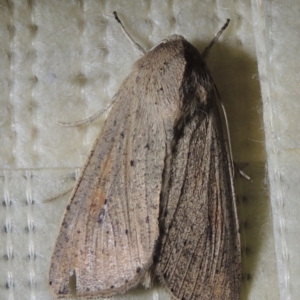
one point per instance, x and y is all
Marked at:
(156, 193)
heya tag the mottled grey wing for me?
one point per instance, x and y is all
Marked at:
(200, 251)
(110, 228)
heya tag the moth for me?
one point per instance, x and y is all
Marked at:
(156, 194)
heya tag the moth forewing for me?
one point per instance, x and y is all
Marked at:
(199, 251)
(110, 227)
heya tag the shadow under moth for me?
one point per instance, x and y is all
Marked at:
(156, 194)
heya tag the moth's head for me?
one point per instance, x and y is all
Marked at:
(173, 37)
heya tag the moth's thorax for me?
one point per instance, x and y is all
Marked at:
(173, 37)
(175, 72)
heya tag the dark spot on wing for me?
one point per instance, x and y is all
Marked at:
(101, 215)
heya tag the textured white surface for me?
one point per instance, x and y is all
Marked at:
(63, 60)
(277, 26)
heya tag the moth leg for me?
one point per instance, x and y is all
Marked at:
(234, 165)
(132, 41)
(241, 172)
(215, 39)
(88, 120)
(58, 196)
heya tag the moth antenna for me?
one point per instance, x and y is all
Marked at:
(132, 41)
(205, 55)
(215, 39)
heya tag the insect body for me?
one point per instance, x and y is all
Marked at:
(157, 184)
